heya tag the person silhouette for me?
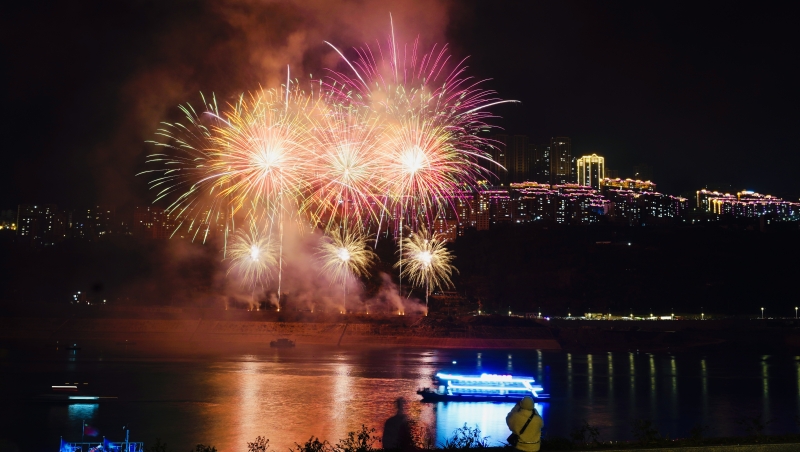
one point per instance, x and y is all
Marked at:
(397, 429)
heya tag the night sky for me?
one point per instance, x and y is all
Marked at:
(706, 96)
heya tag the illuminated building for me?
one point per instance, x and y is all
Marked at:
(445, 227)
(560, 160)
(40, 224)
(746, 204)
(627, 184)
(92, 223)
(482, 211)
(150, 222)
(591, 170)
(578, 204)
(641, 206)
(500, 208)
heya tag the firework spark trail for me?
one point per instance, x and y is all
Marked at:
(345, 255)
(428, 262)
(182, 165)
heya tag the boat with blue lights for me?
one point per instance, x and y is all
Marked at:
(482, 388)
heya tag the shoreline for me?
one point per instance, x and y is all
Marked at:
(218, 327)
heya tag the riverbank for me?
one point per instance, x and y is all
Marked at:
(412, 333)
(205, 326)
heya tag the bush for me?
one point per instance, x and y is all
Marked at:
(753, 426)
(466, 438)
(361, 441)
(261, 444)
(697, 433)
(157, 447)
(313, 445)
(645, 432)
(203, 448)
(586, 434)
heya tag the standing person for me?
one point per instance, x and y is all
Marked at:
(397, 429)
(525, 422)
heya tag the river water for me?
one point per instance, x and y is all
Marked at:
(227, 398)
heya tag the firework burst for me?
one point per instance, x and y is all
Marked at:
(430, 116)
(427, 261)
(345, 255)
(252, 256)
(345, 181)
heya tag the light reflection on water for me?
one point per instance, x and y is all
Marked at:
(290, 395)
(489, 417)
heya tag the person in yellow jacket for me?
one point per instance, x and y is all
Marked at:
(530, 439)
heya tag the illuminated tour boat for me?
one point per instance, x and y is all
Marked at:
(482, 388)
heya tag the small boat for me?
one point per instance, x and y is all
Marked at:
(282, 343)
(73, 347)
(71, 393)
(482, 388)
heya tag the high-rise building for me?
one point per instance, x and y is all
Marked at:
(560, 160)
(92, 223)
(151, 222)
(612, 174)
(540, 162)
(519, 159)
(40, 224)
(591, 169)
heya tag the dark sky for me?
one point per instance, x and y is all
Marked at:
(706, 95)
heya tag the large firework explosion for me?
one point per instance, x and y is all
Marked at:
(393, 141)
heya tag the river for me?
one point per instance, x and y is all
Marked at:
(227, 398)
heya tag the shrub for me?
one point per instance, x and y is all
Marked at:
(360, 441)
(313, 445)
(157, 447)
(261, 444)
(203, 448)
(753, 426)
(586, 434)
(466, 437)
(645, 432)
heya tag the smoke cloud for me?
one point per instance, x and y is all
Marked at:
(232, 46)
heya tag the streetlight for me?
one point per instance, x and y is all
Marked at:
(795, 312)
(762, 313)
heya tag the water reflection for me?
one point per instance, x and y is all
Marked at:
(81, 411)
(590, 380)
(287, 396)
(489, 417)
